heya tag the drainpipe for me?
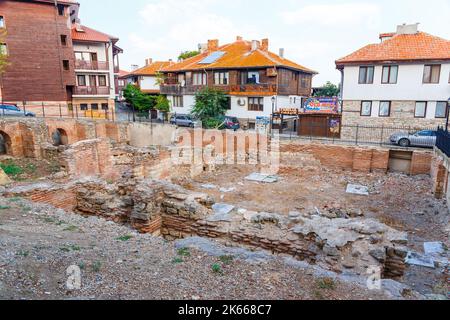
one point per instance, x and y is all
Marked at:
(341, 94)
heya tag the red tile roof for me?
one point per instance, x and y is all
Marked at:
(238, 54)
(83, 33)
(402, 47)
(152, 69)
(123, 73)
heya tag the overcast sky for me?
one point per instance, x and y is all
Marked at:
(313, 33)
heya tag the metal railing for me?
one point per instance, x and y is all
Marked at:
(91, 65)
(88, 90)
(443, 141)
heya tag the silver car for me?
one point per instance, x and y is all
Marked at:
(10, 110)
(183, 120)
(424, 138)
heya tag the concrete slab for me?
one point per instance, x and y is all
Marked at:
(222, 212)
(262, 178)
(358, 189)
(416, 259)
(434, 248)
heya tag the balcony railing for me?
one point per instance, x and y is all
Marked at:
(89, 91)
(177, 89)
(443, 141)
(91, 65)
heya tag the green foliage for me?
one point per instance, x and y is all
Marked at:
(162, 104)
(216, 268)
(326, 283)
(23, 253)
(11, 169)
(124, 238)
(184, 252)
(160, 78)
(188, 54)
(177, 260)
(328, 90)
(140, 101)
(96, 266)
(210, 105)
(226, 259)
(5, 207)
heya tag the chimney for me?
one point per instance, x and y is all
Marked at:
(255, 45)
(281, 53)
(408, 28)
(202, 47)
(213, 45)
(386, 36)
(239, 38)
(148, 61)
(265, 45)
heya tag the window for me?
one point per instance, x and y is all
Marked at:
(84, 56)
(81, 81)
(421, 110)
(305, 81)
(105, 106)
(63, 40)
(431, 73)
(2, 22)
(102, 81)
(61, 10)
(66, 65)
(199, 79)
(251, 77)
(366, 108)
(441, 109)
(255, 104)
(94, 106)
(385, 109)
(3, 49)
(83, 106)
(221, 78)
(178, 101)
(390, 74)
(366, 75)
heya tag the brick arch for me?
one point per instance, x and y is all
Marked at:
(60, 137)
(5, 144)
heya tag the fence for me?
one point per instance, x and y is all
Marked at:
(402, 136)
(443, 141)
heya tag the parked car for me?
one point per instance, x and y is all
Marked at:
(11, 110)
(231, 123)
(183, 120)
(424, 138)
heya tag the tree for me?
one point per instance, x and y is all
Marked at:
(328, 90)
(163, 105)
(160, 78)
(210, 105)
(187, 54)
(3, 55)
(139, 100)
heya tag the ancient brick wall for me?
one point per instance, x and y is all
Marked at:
(440, 172)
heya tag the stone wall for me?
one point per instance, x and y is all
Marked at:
(440, 172)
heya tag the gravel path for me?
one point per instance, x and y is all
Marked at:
(38, 243)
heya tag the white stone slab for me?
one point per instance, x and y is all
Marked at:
(358, 189)
(263, 178)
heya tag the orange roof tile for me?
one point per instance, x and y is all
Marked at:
(402, 47)
(238, 54)
(83, 33)
(152, 69)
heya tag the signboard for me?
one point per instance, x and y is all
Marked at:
(321, 105)
(262, 124)
(289, 111)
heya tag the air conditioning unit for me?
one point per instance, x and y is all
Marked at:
(241, 102)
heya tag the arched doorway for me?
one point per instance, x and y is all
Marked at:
(60, 137)
(5, 143)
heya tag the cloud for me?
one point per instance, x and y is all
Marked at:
(336, 15)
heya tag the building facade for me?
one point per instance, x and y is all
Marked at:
(146, 78)
(247, 72)
(45, 45)
(404, 81)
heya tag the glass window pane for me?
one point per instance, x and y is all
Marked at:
(362, 74)
(435, 73)
(421, 108)
(384, 108)
(441, 109)
(394, 74)
(370, 72)
(366, 108)
(385, 78)
(427, 74)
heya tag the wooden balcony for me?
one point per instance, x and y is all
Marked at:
(91, 91)
(91, 65)
(263, 89)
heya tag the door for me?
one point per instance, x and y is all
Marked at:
(93, 84)
(94, 59)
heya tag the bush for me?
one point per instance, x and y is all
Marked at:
(11, 169)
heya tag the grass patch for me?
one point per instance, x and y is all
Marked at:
(177, 260)
(82, 265)
(4, 207)
(326, 283)
(184, 252)
(71, 228)
(124, 238)
(23, 253)
(226, 259)
(11, 169)
(70, 248)
(96, 266)
(216, 268)
(14, 199)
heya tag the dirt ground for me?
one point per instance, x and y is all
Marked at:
(400, 201)
(28, 169)
(38, 243)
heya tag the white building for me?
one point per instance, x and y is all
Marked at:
(402, 81)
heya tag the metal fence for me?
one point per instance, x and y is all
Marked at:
(443, 141)
(402, 136)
